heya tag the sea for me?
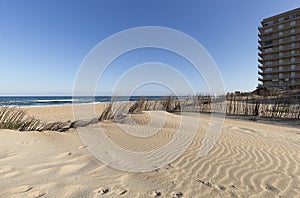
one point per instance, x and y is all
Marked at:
(24, 101)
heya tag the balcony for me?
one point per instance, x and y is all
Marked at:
(294, 77)
(277, 43)
(288, 33)
(276, 29)
(270, 72)
(284, 63)
(265, 78)
(276, 39)
(276, 57)
(285, 22)
(274, 71)
(288, 77)
(276, 49)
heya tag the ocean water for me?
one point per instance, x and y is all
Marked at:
(18, 101)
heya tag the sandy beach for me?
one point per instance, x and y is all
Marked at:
(250, 159)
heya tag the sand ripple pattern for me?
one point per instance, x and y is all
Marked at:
(250, 159)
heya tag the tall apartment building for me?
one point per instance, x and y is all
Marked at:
(279, 50)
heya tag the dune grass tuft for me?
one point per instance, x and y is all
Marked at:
(15, 118)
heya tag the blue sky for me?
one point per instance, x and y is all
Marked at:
(42, 43)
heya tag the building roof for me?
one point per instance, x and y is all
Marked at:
(282, 14)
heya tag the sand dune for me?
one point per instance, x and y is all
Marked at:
(250, 159)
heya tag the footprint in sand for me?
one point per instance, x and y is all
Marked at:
(206, 183)
(102, 190)
(271, 188)
(155, 194)
(221, 187)
(177, 194)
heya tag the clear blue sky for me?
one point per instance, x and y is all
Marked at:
(42, 43)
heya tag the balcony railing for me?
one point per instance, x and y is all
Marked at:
(276, 42)
(275, 57)
(282, 49)
(276, 64)
(289, 77)
(276, 23)
(268, 78)
(284, 40)
(273, 71)
(275, 27)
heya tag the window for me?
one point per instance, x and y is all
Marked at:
(280, 54)
(268, 23)
(280, 26)
(268, 30)
(293, 23)
(269, 69)
(269, 56)
(293, 16)
(293, 59)
(269, 76)
(280, 19)
(269, 36)
(268, 42)
(293, 45)
(293, 52)
(269, 49)
(293, 38)
(280, 68)
(293, 82)
(293, 74)
(280, 75)
(293, 30)
(280, 61)
(280, 40)
(280, 33)
(269, 62)
(293, 67)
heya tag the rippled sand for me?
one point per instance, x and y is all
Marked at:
(250, 159)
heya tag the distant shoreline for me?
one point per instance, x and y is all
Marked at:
(41, 101)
